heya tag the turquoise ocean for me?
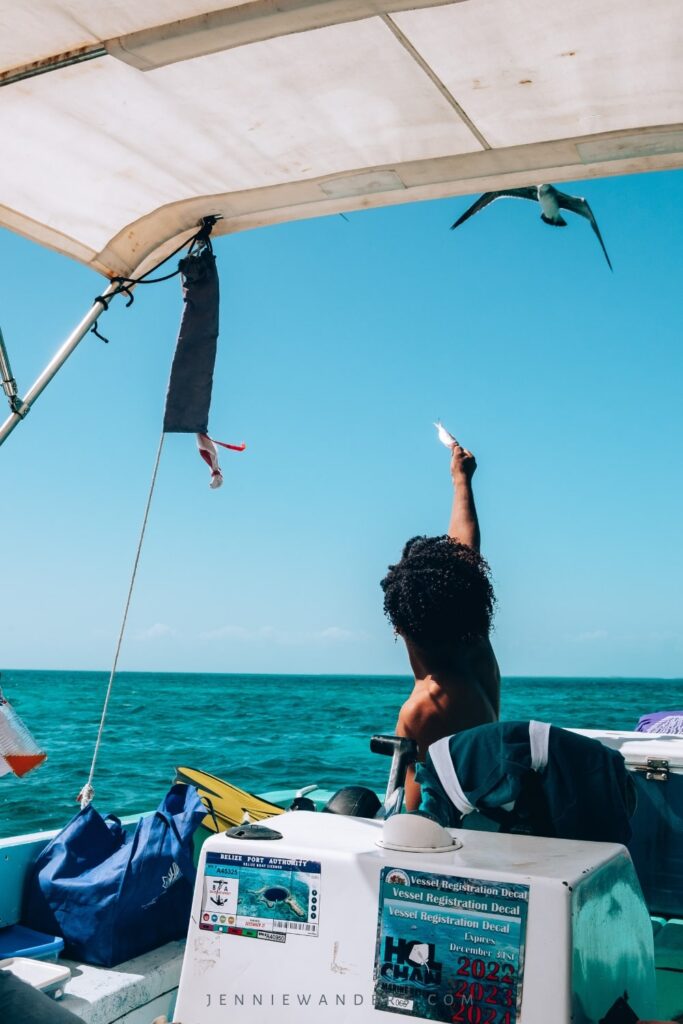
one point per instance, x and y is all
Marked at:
(260, 732)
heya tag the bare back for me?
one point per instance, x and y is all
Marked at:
(465, 695)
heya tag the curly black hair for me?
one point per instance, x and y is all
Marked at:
(439, 593)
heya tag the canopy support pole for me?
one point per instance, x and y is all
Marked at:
(23, 405)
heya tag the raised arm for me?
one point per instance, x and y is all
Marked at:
(464, 525)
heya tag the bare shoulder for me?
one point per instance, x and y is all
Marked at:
(412, 716)
(435, 710)
(425, 718)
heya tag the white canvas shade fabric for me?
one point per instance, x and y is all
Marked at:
(315, 108)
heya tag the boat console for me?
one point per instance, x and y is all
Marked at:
(324, 917)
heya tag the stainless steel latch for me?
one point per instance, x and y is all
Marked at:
(656, 769)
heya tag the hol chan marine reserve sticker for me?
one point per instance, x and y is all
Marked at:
(450, 948)
(260, 897)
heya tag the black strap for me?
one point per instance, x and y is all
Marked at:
(93, 330)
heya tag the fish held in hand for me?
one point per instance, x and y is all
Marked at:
(445, 436)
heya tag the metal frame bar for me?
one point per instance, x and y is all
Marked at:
(56, 362)
(244, 23)
(42, 67)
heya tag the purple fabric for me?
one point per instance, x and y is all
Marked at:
(662, 722)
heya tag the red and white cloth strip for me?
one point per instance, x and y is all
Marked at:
(207, 450)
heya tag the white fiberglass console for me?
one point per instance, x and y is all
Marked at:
(326, 924)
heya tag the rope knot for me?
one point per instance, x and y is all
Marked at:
(85, 796)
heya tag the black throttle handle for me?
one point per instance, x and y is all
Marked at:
(403, 753)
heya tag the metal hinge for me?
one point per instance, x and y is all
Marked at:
(8, 383)
(656, 769)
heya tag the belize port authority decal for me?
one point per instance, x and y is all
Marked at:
(450, 948)
(260, 897)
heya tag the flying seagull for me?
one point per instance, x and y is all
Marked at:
(551, 200)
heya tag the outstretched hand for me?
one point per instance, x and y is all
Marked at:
(463, 464)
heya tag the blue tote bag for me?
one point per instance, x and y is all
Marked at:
(113, 894)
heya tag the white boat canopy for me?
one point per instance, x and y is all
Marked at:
(123, 122)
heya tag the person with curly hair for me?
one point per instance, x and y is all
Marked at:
(440, 601)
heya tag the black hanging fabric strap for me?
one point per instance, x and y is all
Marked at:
(189, 389)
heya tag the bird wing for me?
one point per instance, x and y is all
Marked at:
(579, 205)
(490, 197)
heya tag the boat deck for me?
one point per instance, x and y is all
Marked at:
(136, 991)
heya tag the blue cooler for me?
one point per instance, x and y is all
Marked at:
(18, 941)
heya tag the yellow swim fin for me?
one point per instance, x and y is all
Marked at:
(227, 805)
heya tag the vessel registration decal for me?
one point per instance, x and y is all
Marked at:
(260, 897)
(450, 948)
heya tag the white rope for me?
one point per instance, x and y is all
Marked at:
(87, 793)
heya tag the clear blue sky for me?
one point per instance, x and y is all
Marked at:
(340, 344)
